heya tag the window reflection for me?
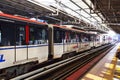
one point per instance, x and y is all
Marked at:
(20, 36)
(38, 35)
(7, 34)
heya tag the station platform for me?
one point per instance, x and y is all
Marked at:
(108, 68)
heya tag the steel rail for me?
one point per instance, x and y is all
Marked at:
(65, 74)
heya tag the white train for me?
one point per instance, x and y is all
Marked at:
(24, 43)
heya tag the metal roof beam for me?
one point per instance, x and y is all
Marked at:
(83, 10)
(74, 11)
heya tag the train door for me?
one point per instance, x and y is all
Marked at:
(58, 42)
(7, 43)
(91, 41)
(73, 43)
(21, 51)
(67, 41)
(94, 41)
(38, 42)
(97, 40)
(84, 41)
(79, 42)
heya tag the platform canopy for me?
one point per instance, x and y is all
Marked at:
(23, 7)
(110, 10)
(57, 11)
(81, 10)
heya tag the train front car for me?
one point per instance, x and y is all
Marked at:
(23, 42)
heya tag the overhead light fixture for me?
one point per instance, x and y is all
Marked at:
(113, 24)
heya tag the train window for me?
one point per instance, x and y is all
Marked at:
(20, 36)
(77, 38)
(103, 38)
(84, 38)
(38, 35)
(67, 37)
(88, 37)
(97, 38)
(43, 33)
(91, 38)
(74, 37)
(57, 36)
(7, 34)
(32, 37)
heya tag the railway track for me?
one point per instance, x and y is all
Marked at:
(62, 69)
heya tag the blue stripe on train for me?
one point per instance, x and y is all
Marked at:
(20, 47)
(2, 58)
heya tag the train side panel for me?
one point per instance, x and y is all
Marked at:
(8, 57)
(39, 52)
(21, 53)
(71, 47)
(66, 47)
(83, 46)
(91, 44)
(58, 50)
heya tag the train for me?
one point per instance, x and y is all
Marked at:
(25, 42)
